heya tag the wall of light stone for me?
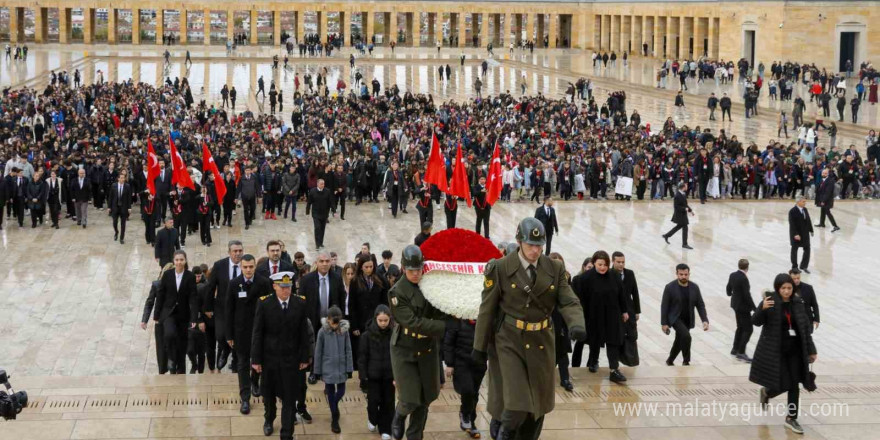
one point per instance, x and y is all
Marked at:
(805, 31)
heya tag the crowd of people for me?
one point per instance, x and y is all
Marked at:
(74, 149)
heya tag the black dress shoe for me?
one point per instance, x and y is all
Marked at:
(835, 229)
(398, 426)
(334, 426)
(267, 428)
(670, 362)
(307, 418)
(734, 353)
(820, 226)
(246, 227)
(115, 237)
(121, 241)
(245, 407)
(666, 239)
(617, 377)
(494, 426)
(684, 246)
(805, 270)
(686, 363)
(567, 385)
(593, 368)
(744, 357)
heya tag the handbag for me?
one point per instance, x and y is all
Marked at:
(629, 350)
(810, 383)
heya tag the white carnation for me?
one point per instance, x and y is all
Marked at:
(456, 294)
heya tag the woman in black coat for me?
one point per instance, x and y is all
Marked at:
(368, 290)
(37, 193)
(176, 310)
(605, 308)
(158, 333)
(563, 340)
(785, 349)
(374, 369)
(578, 352)
(229, 198)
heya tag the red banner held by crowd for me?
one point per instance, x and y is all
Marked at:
(208, 164)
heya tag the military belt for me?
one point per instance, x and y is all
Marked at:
(525, 325)
(413, 334)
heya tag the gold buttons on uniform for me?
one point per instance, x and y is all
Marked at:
(527, 346)
(541, 347)
(513, 286)
(552, 287)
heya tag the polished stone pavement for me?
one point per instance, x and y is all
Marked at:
(71, 300)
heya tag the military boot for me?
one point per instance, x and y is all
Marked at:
(494, 426)
(398, 426)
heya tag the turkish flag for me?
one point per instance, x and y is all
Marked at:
(208, 164)
(152, 168)
(237, 173)
(460, 185)
(493, 185)
(178, 169)
(436, 171)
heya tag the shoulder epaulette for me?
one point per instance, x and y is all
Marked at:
(263, 298)
(301, 297)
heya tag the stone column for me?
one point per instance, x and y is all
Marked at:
(392, 27)
(530, 27)
(698, 38)
(230, 25)
(671, 48)
(475, 29)
(64, 25)
(415, 28)
(16, 24)
(615, 33)
(658, 39)
(184, 25)
(112, 26)
(276, 27)
(518, 29)
(367, 25)
(300, 26)
(577, 33)
(496, 37)
(160, 26)
(438, 28)
(206, 28)
(553, 31)
(683, 45)
(253, 28)
(647, 33)
(711, 37)
(89, 25)
(41, 25)
(484, 30)
(135, 26)
(539, 37)
(322, 26)
(508, 30)
(345, 24)
(635, 34)
(461, 29)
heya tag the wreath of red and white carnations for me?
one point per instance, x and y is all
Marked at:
(455, 260)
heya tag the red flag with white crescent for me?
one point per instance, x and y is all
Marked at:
(460, 186)
(494, 183)
(178, 169)
(152, 168)
(435, 173)
(208, 164)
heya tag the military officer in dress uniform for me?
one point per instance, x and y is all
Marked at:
(280, 348)
(514, 331)
(415, 349)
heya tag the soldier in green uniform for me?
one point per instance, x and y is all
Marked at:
(514, 332)
(415, 349)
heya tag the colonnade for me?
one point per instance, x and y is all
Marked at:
(659, 36)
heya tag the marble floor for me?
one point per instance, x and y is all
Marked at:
(71, 299)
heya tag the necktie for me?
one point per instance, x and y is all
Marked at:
(120, 190)
(234, 271)
(284, 306)
(324, 294)
(533, 274)
(548, 212)
(274, 269)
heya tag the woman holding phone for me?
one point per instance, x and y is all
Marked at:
(785, 349)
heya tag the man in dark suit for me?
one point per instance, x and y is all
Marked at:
(274, 264)
(679, 216)
(482, 208)
(319, 202)
(81, 190)
(249, 190)
(148, 206)
(680, 298)
(120, 206)
(223, 271)
(18, 194)
(808, 294)
(739, 291)
(167, 241)
(547, 215)
(825, 199)
(633, 304)
(163, 189)
(241, 303)
(280, 350)
(800, 229)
